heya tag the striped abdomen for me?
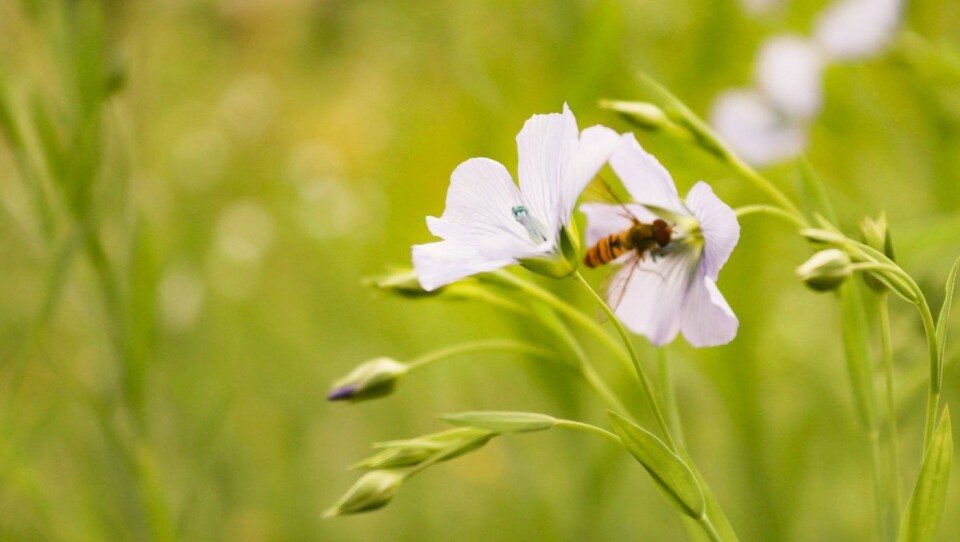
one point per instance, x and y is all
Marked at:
(608, 249)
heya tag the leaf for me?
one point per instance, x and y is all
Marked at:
(857, 350)
(669, 472)
(944, 318)
(501, 422)
(926, 503)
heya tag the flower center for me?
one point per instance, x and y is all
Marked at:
(534, 227)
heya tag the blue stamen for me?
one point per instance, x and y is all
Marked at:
(533, 226)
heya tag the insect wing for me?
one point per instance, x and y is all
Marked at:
(618, 283)
(599, 190)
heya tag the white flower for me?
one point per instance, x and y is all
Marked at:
(676, 290)
(489, 223)
(755, 129)
(855, 29)
(789, 72)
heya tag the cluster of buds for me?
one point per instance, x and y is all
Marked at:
(839, 257)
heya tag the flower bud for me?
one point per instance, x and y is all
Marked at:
(502, 422)
(826, 270)
(372, 491)
(409, 453)
(820, 238)
(561, 264)
(644, 114)
(403, 282)
(370, 380)
(876, 235)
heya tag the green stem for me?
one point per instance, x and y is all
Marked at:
(587, 428)
(669, 397)
(747, 172)
(491, 345)
(775, 212)
(892, 444)
(586, 322)
(710, 529)
(638, 367)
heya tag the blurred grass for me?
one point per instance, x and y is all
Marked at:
(261, 157)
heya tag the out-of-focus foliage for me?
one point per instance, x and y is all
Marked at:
(183, 267)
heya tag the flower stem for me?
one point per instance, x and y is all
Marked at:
(892, 444)
(587, 428)
(586, 322)
(669, 398)
(775, 212)
(491, 345)
(710, 529)
(638, 367)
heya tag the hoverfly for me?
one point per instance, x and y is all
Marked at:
(630, 246)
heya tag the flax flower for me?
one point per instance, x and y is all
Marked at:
(490, 223)
(673, 291)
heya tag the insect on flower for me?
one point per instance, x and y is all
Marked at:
(671, 252)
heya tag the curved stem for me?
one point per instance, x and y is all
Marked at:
(638, 367)
(765, 185)
(491, 345)
(775, 212)
(710, 529)
(586, 322)
(892, 444)
(587, 428)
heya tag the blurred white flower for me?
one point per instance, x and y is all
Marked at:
(489, 223)
(856, 29)
(674, 289)
(748, 122)
(789, 72)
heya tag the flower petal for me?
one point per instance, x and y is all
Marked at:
(707, 318)
(653, 301)
(853, 29)
(604, 219)
(789, 72)
(546, 146)
(643, 176)
(478, 226)
(438, 264)
(754, 128)
(596, 145)
(719, 225)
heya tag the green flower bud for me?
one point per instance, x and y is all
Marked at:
(409, 453)
(403, 282)
(876, 235)
(370, 380)
(826, 270)
(372, 491)
(820, 238)
(644, 114)
(502, 422)
(559, 265)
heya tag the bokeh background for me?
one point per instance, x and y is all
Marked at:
(183, 261)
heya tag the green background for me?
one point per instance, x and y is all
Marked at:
(261, 158)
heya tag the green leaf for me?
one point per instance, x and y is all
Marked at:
(501, 422)
(669, 472)
(944, 318)
(926, 503)
(856, 345)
